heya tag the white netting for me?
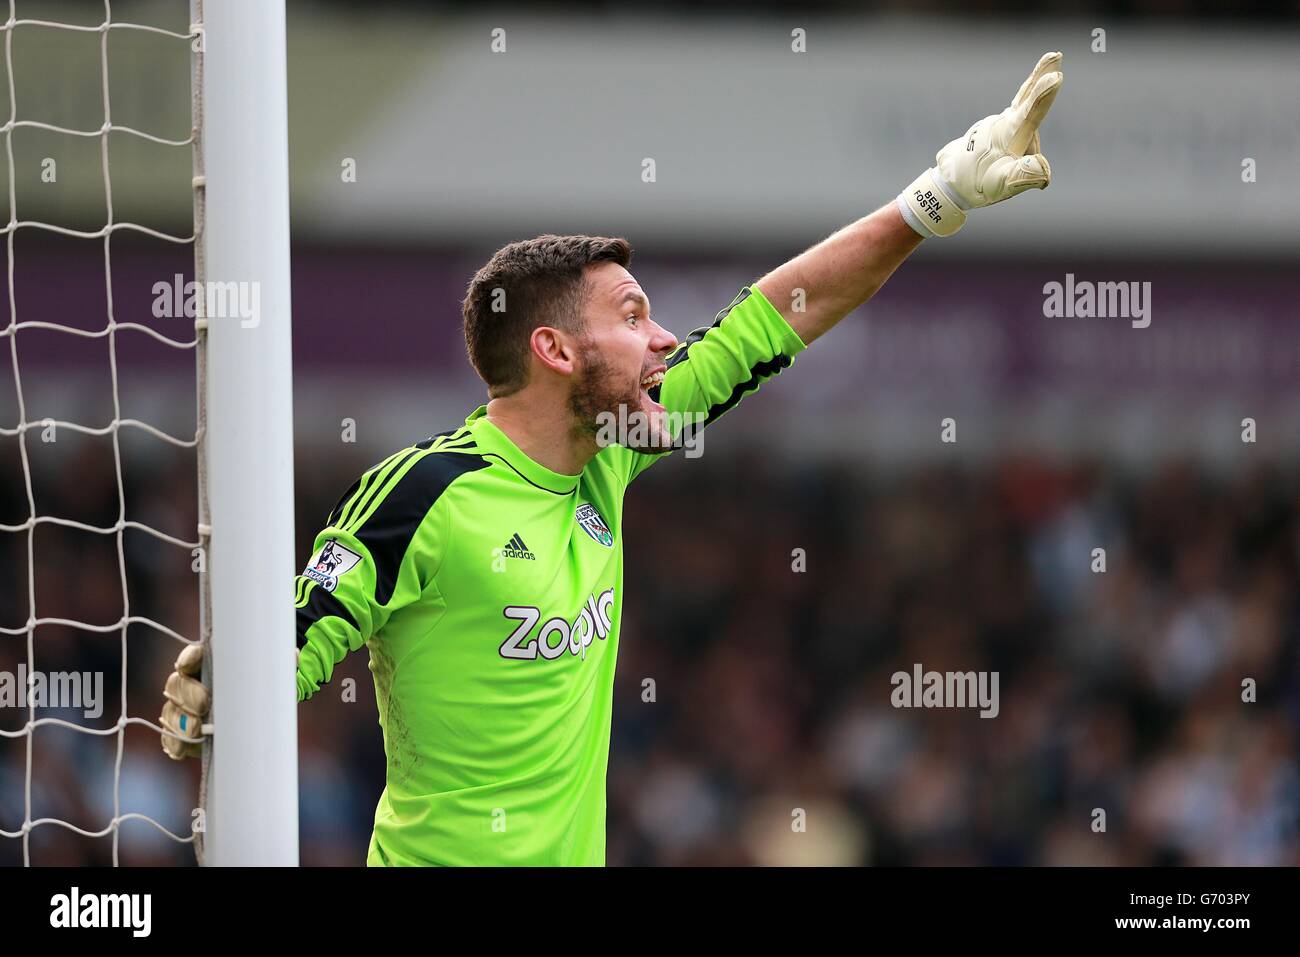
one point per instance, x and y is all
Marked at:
(110, 330)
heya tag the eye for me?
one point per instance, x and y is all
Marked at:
(632, 317)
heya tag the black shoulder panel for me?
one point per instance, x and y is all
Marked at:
(337, 511)
(388, 532)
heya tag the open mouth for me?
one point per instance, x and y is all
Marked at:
(651, 382)
(650, 386)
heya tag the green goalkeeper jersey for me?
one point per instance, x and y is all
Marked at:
(488, 590)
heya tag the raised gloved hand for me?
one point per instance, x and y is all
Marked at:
(998, 157)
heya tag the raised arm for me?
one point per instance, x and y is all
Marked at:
(996, 159)
(818, 288)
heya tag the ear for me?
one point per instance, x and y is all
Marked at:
(555, 349)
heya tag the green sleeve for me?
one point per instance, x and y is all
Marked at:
(716, 366)
(376, 555)
(332, 623)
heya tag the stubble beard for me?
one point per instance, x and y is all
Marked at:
(602, 395)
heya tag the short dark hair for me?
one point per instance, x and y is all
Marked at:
(541, 283)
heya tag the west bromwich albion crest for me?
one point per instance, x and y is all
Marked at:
(594, 525)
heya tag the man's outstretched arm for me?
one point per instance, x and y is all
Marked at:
(818, 288)
(770, 322)
(997, 158)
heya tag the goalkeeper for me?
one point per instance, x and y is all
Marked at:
(483, 567)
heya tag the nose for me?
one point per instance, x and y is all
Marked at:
(662, 340)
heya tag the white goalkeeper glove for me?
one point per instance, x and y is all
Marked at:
(997, 158)
(186, 706)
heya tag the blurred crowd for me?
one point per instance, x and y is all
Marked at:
(1120, 690)
(1148, 712)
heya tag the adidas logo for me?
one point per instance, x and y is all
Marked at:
(515, 548)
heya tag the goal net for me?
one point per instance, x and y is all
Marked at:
(145, 432)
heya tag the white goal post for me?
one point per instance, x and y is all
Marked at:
(246, 424)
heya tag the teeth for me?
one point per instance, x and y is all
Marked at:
(653, 380)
